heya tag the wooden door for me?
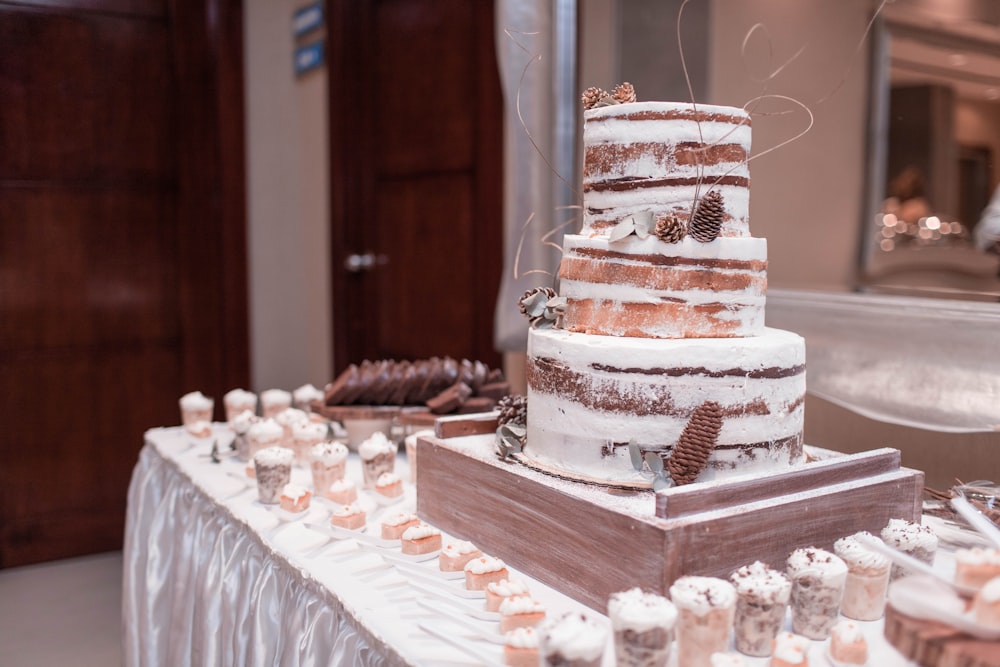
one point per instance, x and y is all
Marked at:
(416, 191)
(122, 249)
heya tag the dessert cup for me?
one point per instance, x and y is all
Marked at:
(241, 424)
(237, 401)
(573, 639)
(304, 397)
(273, 469)
(818, 578)
(378, 455)
(706, 607)
(643, 628)
(867, 580)
(327, 463)
(912, 538)
(195, 407)
(274, 401)
(305, 434)
(761, 601)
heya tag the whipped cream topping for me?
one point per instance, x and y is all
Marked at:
(484, 564)
(521, 604)
(857, 556)
(762, 583)
(791, 648)
(810, 561)
(328, 453)
(507, 587)
(387, 479)
(990, 592)
(420, 531)
(400, 518)
(460, 548)
(350, 509)
(574, 635)
(236, 397)
(377, 444)
(306, 393)
(242, 422)
(309, 431)
(344, 484)
(522, 638)
(727, 660)
(291, 416)
(199, 428)
(848, 632)
(909, 536)
(701, 595)
(196, 400)
(272, 397)
(274, 456)
(978, 556)
(294, 491)
(640, 611)
(266, 430)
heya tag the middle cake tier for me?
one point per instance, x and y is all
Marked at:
(589, 396)
(650, 289)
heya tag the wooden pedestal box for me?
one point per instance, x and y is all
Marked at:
(589, 542)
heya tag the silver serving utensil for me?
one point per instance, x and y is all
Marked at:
(462, 645)
(493, 637)
(976, 519)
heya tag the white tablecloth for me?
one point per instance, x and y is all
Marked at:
(211, 577)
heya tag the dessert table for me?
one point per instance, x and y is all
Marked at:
(213, 577)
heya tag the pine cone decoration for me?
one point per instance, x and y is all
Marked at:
(696, 443)
(513, 410)
(707, 219)
(592, 96)
(623, 93)
(669, 229)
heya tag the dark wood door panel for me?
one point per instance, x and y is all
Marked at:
(84, 98)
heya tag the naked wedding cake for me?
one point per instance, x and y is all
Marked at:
(660, 338)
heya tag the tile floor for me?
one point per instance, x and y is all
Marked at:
(62, 613)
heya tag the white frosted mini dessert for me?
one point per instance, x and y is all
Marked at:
(327, 463)
(986, 605)
(643, 627)
(195, 406)
(273, 401)
(520, 611)
(456, 554)
(295, 498)
(706, 607)
(498, 591)
(241, 424)
(342, 491)
(479, 572)
(912, 538)
(389, 485)
(520, 648)
(304, 397)
(273, 470)
(573, 639)
(395, 525)
(420, 539)
(867, 579)
(287, 419)
(260, 436)
(305, 435)
(350, 516)
(790, 650)
(975, 566)
(199, 429)
(848, 645)
(818, 579)
(236, 401)
(762, 595)
(378, 455)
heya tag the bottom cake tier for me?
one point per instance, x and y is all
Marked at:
(589, 396)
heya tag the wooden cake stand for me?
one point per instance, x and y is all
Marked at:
(934, 644)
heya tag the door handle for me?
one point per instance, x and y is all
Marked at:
(356, 263)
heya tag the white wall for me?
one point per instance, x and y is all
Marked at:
(288, 205)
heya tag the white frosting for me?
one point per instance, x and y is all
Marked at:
(791, 648)
(349, 509)
(306, 393)
(575, 635)
(242, 422)
(573, 437)
(294, 491)
(700, 595)
(266, 430)
(521, 604)
(507, 587)
(484, 564)
(400, 519)
(990, 592)
(240, 397)
(762, 583)
(309, 431)
(817, 563)
(640, 611)
(196, 400)
(344, 484)
(848, 632)
(420, 531)
(859, 557)
(289, 417)
(199, 428)
(275, 397)
(522, 638)
(274, 456)
(377, 444)
(978, 556)
(909, 536)
(727, 660)
(460, 548)
(328, 453)
(387, 479)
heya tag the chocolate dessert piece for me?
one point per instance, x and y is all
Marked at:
(450, 399)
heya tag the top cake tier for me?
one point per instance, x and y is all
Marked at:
(661, 157)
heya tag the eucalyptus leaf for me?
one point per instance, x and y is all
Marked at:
(534, 305)
(635, 454)
(661, 483)
(622, 229)
(654, 462)
(644, 224)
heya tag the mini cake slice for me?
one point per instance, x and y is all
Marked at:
(790, 650)
(394, 526)
(498, 591)
(420, 539)
(520, 648)
(986, 604)
(520, 611)
(295, 498)
(479, 572)
(455, 555)
(389, 485)
(847, 643)
(343, 491)
(975, 566)
(349, 516)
